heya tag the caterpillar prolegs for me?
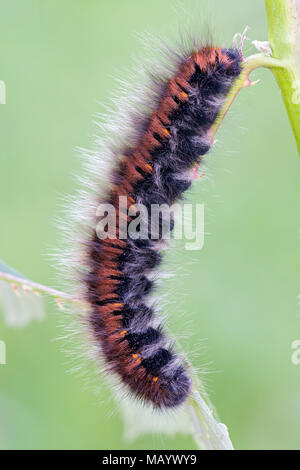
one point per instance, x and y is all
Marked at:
(155, 168)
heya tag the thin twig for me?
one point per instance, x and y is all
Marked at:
(250, 63)
(36, 287)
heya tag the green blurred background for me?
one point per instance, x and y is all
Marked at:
(235, 301)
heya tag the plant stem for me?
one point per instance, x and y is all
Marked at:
(284, 37)
(35, 287)
(250, 63)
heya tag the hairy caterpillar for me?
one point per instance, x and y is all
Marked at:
(155, 167)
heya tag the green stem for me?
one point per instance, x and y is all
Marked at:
(250, 63)
(284, 37)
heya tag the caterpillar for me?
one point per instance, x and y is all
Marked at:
(156, 166)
